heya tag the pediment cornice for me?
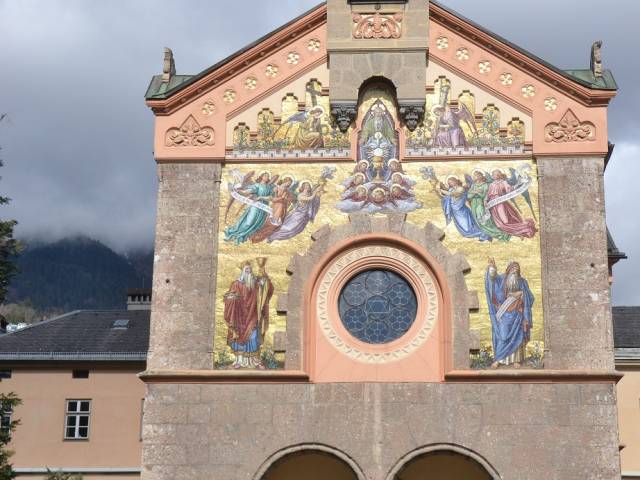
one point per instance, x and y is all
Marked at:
(239, 62)
(518, 58)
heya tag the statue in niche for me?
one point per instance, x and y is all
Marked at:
(378, 183)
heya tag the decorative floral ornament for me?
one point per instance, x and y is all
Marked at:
(442, 43)
(462, 54)
(189, 134)
(377, 25)
(250, 83)
(229, 96)
(506, 79)
(313, 45)
(271, 71)
(484, 67)
(293, 58)
(208, 108)
(570, 129)
(551, 104)
(528, 91)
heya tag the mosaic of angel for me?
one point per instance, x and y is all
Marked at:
(484, 206)
(378, 182)
(304, 130)
(273, 207)
(447, 128)
(310, 129)
(452, 122)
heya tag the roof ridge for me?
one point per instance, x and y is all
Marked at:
(203, 73)
(563, 72)
(66, 315)
(37, 324)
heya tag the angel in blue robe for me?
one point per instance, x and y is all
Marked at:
(510, 301)
(454, 205)
(256, 212)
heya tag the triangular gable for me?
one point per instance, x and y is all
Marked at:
(512, 76)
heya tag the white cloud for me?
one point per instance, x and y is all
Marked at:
(622, 183)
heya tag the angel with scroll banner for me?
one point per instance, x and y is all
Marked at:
(273, 208)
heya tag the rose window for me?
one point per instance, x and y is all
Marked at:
(377, 306)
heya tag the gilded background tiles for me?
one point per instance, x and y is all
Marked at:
(329, 192)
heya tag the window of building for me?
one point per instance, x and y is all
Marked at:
(377, 306)
(5, 421)
(80, 374)
(77, 420)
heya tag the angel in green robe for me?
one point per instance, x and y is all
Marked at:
(477, 194)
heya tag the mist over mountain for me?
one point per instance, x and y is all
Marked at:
(78, 273)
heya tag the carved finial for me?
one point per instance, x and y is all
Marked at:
(169, 66)
(596, 59)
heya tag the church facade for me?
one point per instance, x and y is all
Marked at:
(381, 253)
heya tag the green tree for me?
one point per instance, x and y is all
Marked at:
(9, 246)
(8, 403)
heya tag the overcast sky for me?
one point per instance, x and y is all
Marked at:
(78, 146)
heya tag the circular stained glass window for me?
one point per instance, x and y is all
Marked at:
(377, 306)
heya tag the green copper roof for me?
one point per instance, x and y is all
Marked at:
(159, 91)
(586, 77)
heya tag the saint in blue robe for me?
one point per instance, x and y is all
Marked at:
(511, 319)
(454, 205)
(252, 218)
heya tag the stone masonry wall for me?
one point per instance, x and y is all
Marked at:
(184, 279)
(575, 277)
(525, 431)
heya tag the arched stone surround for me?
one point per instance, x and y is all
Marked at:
(425, 243)
(441, 448)
(309, 447)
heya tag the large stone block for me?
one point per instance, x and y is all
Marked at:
(558, 431)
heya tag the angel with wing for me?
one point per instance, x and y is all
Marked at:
(283, 198)
(304, 130)
(447, 129)
(453, 197)
(476, 195)
(500, 203)
(256, 197)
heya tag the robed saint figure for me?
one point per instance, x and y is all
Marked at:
(246, 313)
(510, 300)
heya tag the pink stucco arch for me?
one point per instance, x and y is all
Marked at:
(420, 355)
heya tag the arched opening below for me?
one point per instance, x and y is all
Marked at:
(310, 465)
(443, 465)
